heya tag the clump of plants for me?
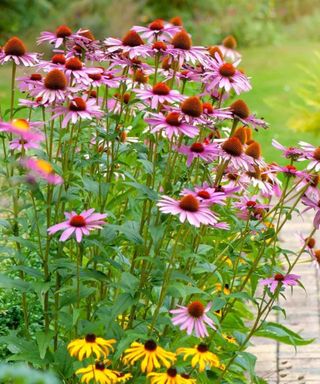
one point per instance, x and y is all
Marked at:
(140, 221)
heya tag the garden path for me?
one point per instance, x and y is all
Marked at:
(280, 363)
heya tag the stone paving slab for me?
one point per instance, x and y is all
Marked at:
(280, 363)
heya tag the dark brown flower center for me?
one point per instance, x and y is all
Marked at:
(150, 345)
(204, 194)
(90, 337)
(233, 146)
(173, 118)
(77, 104)
(176, 21)
(182, 40)
(166, 65)
(14, 47)
(95, 76)
(192, 106)
(63, 31)
(161, 89)
(202, 348)
(315, 179)
(87, 34)
(251, 204)
(317, 255)
(213, 50)
(140, 77)
(316, 154)
(55, 80)
(279, 277)
(227, 70)
(254, 150)
(207, 107)
(197, 148)
(156, 25)
(172, 372)
(59, 58)
(159, 46)
(79, 221)
(229, 42)
(99, 366)
(291, 169)
(240, 108)
(132, 39)
(311, 242)
(196, 309)
(36, 77)
(74, 64)
(189, 203)
(241, 134)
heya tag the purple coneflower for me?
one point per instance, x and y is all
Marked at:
(131, 44)
(15, 50)
(223, 75)
(158, 29)
(289, 152)
(182, 49)
(188, 208)
(311, 153)
(232, 151)
(59, 37)
(249, 208)
(158, 94)
(28, 83)
(279, 279)
(77, 109)
(312, 203)
(53, 89)
(173, 124)
(207, 194)
(193, 317)
(241, 112)
(22, 128)
(204, 151)
(43, 169)
(228, 50)
(289, 170)
(75, 70)
(78, 224)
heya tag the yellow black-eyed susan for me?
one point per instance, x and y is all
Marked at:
(98, 373)
(90, 345)
(201, 356)
(122, 377)
(171, 376)
(152, 355)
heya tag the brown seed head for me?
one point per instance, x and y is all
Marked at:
(192, 106)
(182, 40)
(233, 146)
(230, 42)
(14, 47)
(55, 80)
(240, 109)
(63, 31)
(189, 203)
(132, 39)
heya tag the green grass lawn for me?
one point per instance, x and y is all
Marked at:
(276, 76)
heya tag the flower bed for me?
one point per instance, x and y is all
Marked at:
(143, 218)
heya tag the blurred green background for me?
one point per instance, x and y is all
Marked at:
(278, 40)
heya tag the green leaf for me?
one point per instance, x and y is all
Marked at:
(130, 230)
(43, 340)
(122, 303)
(8, 283)
(281, 333)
